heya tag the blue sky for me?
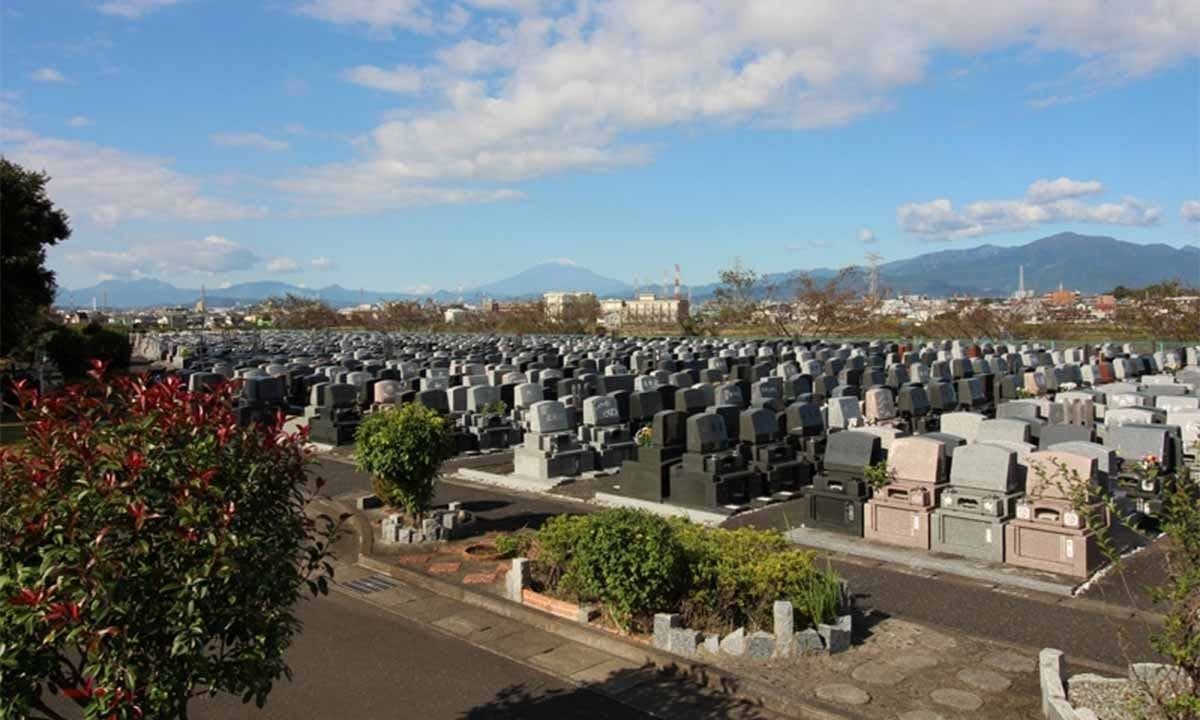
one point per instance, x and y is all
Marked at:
(407, 145)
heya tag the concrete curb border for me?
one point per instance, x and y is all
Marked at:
(701, 673)
(511, 481)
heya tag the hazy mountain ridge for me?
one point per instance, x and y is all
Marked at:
(1090, 263)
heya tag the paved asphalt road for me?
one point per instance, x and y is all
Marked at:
(353, 660)
(1110, 638)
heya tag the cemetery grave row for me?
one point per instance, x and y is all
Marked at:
(976, 437)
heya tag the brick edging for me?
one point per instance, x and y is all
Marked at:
(703, 674)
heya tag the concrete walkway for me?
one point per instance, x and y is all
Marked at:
(635, 687)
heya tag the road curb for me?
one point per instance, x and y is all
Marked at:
(708, 676)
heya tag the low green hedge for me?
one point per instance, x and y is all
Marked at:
(634, 564)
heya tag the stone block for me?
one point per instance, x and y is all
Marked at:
(712, 644)
(368, 502)
(837, 635)
(683, 641)
(1160, 677)
(586, 613)
(784, 618)
(663, 624)
(807, 642)
(1051, 678)
(734, 643)
(760, 645)
(515, 580)
(1060, 709)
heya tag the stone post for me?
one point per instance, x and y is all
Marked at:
(516, 579)
(784, 627)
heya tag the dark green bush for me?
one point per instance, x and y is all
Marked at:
(70, 350)
(628, 561)
(515, 544)
(735, 577)
(636, 564)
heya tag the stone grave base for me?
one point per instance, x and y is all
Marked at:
(895, 524)
(1061, 550)
(917, 559)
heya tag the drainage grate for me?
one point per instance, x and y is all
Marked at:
(371, 584)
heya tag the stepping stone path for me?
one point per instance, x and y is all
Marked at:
(912, 662)
(957, 699)
(1009, 661)
(985, 680)
(934, 641)
(877, 673)
(844, 694)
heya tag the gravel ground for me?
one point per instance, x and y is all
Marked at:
(1109, 698)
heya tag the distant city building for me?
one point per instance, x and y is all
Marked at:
(644, 309)
(1061, 297)
(455, 315)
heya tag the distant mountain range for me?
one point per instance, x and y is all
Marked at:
(1090, 263)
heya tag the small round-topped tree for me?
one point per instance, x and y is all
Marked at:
(403, 449)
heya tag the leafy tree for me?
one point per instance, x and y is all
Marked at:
(151, 550)
(403, 449)
(736, 299)
(799, 306)
(300, 313)
(71, 349)
(833, 306)
(1167, 313)
(29, 223)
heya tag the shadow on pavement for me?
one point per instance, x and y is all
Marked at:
(642, 690)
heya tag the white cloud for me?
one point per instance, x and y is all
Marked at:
(385, 15)
(536, 88)
(108, 186)
(1046, 202)
(297, 129)
(867, 237)
(79, 121)
(1043, 191)
(210, 255)
(249, 140)
(399, 79)
(282, 265)
(48, 75)
(1190, 211)
(321, 263)
(133, 9)
(369, 188)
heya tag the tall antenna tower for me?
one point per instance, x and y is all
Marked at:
(676, 281)
(637, 285)
(873, 259)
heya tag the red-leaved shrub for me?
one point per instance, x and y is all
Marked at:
(150, 549)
